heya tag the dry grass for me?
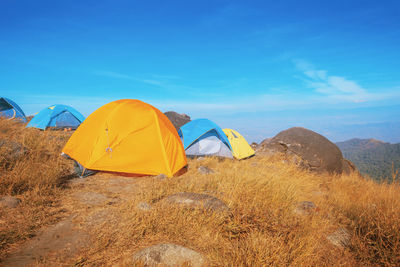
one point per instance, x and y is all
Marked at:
(261, 193)
(32, 170)
(262, 229)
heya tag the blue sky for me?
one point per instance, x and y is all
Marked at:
(256, 66)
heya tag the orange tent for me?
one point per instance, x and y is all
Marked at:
(127, 136)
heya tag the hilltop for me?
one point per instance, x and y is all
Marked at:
(258, 212)
(372, 157)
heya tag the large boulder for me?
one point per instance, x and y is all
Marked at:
(309, 150)
(169, 255)
(178, 120)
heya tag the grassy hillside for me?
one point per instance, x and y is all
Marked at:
(261, 228)
(372, 157)
(31, 169)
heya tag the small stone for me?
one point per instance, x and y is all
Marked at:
(340, 238)
(12, 151)
(304, 208)
(195, 200)
(169, 255)
(200, 159)
(144, 206)
(9, 202)
(205, 170)
(161, 176)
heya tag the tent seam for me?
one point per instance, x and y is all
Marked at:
(162, 142)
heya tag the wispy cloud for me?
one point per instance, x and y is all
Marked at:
(336, 87)
(116, 75)
(112, 74)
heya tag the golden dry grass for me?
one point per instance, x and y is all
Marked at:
(261, 230)
(32, 170)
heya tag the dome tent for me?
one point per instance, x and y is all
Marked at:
(240, 148)
(203, 137)
(58, 117)
(127, 136)
(10, 109)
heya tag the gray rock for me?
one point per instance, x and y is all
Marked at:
(144, 206)
(200, 159)
(178, 120)
(340, 238)
(304, 208)
(195, 200)
(169, 255)
(9, 202)
(254, 145)
(161, 176)
(308, 150)
(12, 151)
(205, 170)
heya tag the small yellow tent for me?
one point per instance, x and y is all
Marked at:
(240, 148)
(127, 136)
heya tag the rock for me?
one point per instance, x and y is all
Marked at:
(349, 167)
(178, 120)
(11, 151)
(254, 146)
(9, 202)
(144, 206)
(308, 150)
(340, 238)
(304, 208)
(169, 255)
(195, 200)
(205, 170)
(200, 159)
(161, 176)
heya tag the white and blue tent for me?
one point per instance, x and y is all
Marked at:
(57, 117)
(10, 109)
(203, 137)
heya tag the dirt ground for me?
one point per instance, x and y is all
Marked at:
(89, 202)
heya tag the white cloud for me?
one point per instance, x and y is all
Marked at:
(112, 74)
(335, 87)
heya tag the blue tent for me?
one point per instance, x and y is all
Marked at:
(57, 116)
(11, 110)
(204, 137)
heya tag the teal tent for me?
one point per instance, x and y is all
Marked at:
(57, 117)
(10, 109)
(203, 137)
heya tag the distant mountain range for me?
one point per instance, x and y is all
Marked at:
(372, 157)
